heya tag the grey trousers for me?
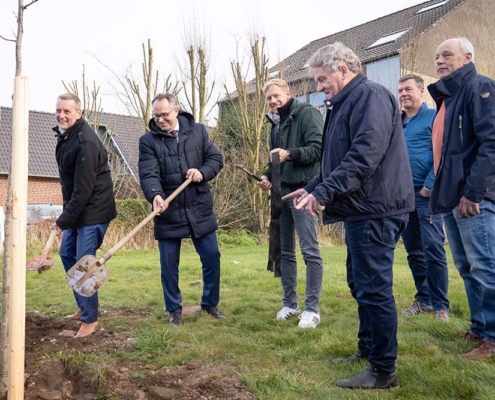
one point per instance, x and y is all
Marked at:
(306, 226)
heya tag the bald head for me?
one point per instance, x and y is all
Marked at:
(452, 55)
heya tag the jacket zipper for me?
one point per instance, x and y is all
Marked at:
(460, 130)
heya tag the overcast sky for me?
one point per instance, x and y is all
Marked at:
(61, 35)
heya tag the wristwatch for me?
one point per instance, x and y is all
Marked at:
(287, 157)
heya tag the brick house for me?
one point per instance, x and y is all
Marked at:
(401, 43)
(121, 135)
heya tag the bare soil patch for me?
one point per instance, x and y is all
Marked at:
(52, 370)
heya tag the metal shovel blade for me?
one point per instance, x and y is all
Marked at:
(84, 283)
(44, 262)
(89, 273)
(40, 263)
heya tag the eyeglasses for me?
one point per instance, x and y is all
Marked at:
(164, 115)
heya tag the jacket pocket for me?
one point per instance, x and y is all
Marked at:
(203, 203)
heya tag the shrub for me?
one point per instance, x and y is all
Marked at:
(235, 238)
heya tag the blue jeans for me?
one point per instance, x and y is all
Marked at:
(472, 243)
(77, 243)
(370, 258)
(306, 226)
(209, 254)
(424, 243)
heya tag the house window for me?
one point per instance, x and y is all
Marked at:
(391, 37)
(431, 7)
(316, 100)
(103, 134)
(386, 72)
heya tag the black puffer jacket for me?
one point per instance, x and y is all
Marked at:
(163, 163)
(365, 171)
(87, 187)
(467, 166)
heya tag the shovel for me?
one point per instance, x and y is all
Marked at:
(43, 263)
(89, 273)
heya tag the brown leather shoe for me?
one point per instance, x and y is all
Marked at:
(76, 316)
(87, 329)
(468, 336)
(484, 349)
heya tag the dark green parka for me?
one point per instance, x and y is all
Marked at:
(300, 131)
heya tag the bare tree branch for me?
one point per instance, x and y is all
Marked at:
(137, 92)
(195, 67)
(8, 40)
(32, 2)
(244, 115)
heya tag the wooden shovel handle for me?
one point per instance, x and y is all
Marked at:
(49, 243)
(131, 234)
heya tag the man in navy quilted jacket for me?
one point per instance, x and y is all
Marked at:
(177, 148)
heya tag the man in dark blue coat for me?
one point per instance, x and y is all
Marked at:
(464, 187)
(87, 191)
(365, 180)
(176, 148)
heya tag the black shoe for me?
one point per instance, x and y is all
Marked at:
(213, 311)
(358, 356)
(175, 319)
(371, 378)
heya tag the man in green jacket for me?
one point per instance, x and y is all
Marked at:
(296, 136)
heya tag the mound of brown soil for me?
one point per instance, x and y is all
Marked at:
(53, 371)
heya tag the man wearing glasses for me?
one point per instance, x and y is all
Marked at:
(177, 148)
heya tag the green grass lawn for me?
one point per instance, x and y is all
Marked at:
(278, 360)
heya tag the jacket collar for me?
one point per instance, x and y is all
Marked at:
(186, 123)
(421, 109)
(450, 85)
(292, 111)
(346, 91)
(77, 125)
(284, 111)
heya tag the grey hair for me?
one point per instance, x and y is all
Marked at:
(332, 56)
(73, 97)
(169, 97)
(466, 46)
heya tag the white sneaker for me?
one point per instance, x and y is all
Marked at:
(309, 319)
(287, 312)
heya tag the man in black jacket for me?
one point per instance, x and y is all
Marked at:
(296, 135)
(464, 188)
(177, 148)
(365, 180)
(87, 191)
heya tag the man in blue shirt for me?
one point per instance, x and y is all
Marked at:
(424, 236)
